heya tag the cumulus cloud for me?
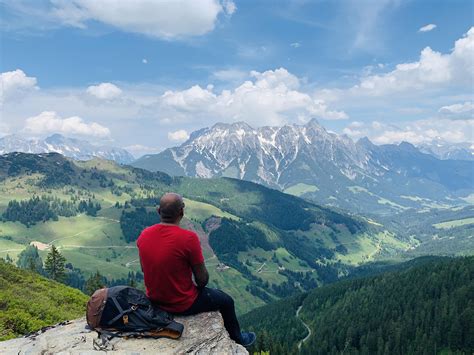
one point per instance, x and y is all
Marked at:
(295, 44)
(178, 136)
(50, 122)
(270, 98)
(415, 132)
(104, 91)
(163, 19)
(461, 110)
(15, 83)
(433, 70)
(427, 28)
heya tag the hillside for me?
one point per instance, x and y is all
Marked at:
(29, 302)
(426, 305)
(307, 160)
(260, 244)
(439, 231)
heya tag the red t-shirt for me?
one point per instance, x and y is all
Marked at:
(166, 254)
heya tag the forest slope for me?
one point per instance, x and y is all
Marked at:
(424, 307)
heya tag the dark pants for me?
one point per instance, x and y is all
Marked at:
(210, 299)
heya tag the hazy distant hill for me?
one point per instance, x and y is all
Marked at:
(29, 302)
(70, 147)
(260, 244)
(307, 160)
(444, 150)
(424, 306)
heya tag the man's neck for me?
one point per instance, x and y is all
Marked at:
(170, 224)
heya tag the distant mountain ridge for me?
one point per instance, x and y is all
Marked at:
(444, 150)
(69, 147)
(311, 161)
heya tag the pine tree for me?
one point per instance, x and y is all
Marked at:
(30, 259)
(8, 259)
(94, 282)
(54, 264)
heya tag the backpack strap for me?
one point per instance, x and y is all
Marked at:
(175, 327)
(121, 311)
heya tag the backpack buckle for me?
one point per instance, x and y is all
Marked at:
(134, 307)
(125, 319)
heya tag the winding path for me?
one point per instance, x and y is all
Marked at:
(305, 325)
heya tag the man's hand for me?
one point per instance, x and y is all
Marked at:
(201, 276)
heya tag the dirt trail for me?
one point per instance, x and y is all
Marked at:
(305, 325)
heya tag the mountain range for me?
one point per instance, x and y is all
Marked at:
(444, 150)
(307, 160)
(69, 147)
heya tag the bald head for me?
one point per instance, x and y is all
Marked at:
(171, 208)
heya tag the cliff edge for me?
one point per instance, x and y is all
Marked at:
(203, 334)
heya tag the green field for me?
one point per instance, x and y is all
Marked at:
(454, 223)
(300, 189)
(201, 211)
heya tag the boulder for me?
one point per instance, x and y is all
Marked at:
(203, 334)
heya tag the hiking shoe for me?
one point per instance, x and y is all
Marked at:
(248, 338)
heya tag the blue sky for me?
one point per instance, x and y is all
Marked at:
(143, 74)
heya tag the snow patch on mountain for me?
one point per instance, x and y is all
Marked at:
(69, 147)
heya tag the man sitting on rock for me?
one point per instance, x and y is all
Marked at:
(170, 256)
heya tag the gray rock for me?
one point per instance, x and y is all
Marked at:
(203, 334)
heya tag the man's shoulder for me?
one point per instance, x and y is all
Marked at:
(148, 231)
(187, 232)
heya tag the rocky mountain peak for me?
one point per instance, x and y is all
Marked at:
(69, 147)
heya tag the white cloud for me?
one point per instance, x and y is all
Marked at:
(415, 132)
(178, 136)
(364, 22)
(166, 19)
(433, 70)
(104, 91)
(229, 6)
(295, 44)
(272, 97)
(50, 122)
(462, 110)
(15, 83)
(145, 61)
(427, 28)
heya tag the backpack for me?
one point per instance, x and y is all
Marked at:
(123, 311)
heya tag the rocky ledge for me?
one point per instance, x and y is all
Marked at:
(203, 334)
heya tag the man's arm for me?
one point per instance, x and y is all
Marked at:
(201, 276)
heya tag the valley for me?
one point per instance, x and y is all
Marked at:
(260, 244)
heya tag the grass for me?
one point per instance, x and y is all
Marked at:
(454, 223)
(30, 302)
(201, 211)
(234, 284)
(90, 264)
(469, 198)
(384, 201)
(359, 189)
(300, 189)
